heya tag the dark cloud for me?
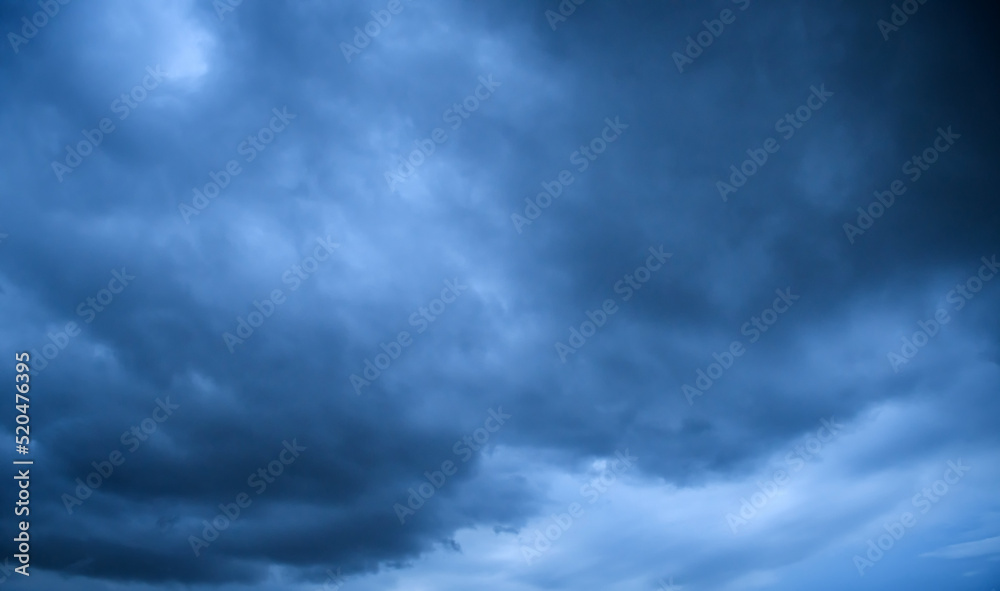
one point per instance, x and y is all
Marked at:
(323, 177)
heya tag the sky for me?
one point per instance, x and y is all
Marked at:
(526, 296)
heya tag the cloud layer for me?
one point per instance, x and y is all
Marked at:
(470, 258)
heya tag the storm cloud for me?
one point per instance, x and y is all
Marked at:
(513, 295)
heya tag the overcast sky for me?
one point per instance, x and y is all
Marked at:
(508, 295)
